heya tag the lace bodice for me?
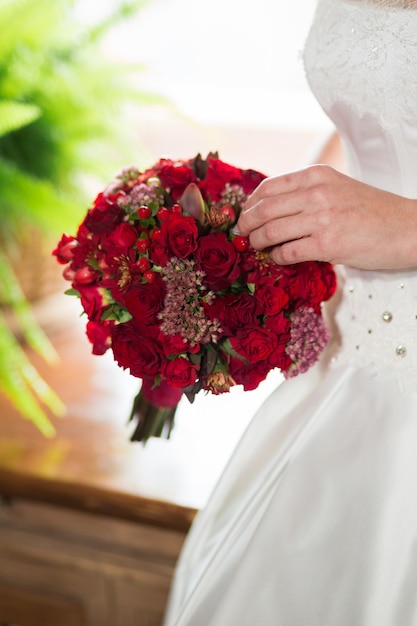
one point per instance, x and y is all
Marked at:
(361, 63)
(364, 53)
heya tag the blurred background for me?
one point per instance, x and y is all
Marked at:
(87, 87)
(228, 71)
(90, 523)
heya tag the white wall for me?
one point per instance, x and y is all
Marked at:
(222, 61)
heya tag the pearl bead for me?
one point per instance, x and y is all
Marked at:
(401, 351)
(387, 316)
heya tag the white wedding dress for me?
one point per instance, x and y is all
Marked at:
(314, 521)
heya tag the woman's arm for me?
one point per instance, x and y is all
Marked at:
(329, 151)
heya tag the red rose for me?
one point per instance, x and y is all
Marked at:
(175, 178)
(180, 372)
(258, 345)
(159, 254)
(328, 276)
(145, 300)
(279, 324)
(250, 180)
(248, 376)
(219, 174)
(123, 237)
(218, 258)
(136, 348)
(316, 287)
(179, 233)
(105, 214)
(279, 357)
(236, 313)
(99, 335)
(271, 296)
(175, 345)
(311, 284)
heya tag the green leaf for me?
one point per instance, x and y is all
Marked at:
(21, 383)
(14, 115)
(11, 292)
(72, 292)
(28, 22)
(116, 313)
(26, 198)
(226, 346)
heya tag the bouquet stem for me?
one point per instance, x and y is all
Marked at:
(154, 410)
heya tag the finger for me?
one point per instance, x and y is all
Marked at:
(267, 209)
(282, 230)
(298, 180)
(263, 212)
(298, 251)
(267, 189)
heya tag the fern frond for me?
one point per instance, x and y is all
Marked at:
(39, 202)
(11, 293)
(22, 384)
(25, 22)
(14, 115)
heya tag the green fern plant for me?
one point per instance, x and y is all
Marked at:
(61, 109)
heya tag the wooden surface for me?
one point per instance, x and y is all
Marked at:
(59, 566)
(27, 608)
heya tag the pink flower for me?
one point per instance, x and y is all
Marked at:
(309, 336)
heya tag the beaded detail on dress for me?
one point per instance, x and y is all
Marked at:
(378, 319)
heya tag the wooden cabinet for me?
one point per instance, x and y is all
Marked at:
(62, 567)
(91, 525)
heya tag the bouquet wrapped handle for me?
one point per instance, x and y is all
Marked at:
(154, 409)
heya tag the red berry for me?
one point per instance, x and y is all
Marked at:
(144, 212)
(156, 234)
(228, 211)
(162, 213)
(149, 276)
(143, 245)
(85, 276)
(68, 274)
(176, 208)
(241, 243)
(143, 264)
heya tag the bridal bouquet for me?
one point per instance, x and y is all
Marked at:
(182, 301)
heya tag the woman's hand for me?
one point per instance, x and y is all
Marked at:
(320, 214)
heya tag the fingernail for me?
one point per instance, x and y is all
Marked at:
(236, 230)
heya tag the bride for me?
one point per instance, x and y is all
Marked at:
(314, 522)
